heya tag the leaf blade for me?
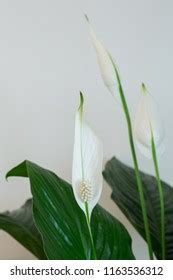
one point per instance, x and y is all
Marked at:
(54, 205)
(20, 225)
(122, 181)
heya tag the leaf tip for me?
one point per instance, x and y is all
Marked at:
(6, 177)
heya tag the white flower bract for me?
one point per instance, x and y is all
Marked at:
(105, 64)
(147, 121)
(87, 163)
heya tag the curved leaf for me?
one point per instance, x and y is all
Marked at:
(20, 225)
(122, 181)
(62, 223)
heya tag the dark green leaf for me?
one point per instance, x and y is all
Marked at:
(20, 225)
(122, 180)
(63, 225)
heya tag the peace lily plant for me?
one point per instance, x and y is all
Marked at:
(63, 221)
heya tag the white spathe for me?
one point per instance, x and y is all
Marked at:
(87, 163)
(105, 64)
(147, 121)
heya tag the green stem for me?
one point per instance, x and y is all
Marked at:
(161, 195)
(90, 232)
(137, 173)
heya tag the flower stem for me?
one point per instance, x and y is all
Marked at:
(90, 232)
(137, 173)
(161, 195)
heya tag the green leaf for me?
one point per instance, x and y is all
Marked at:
(63, 224)
(122, 181)
(20, 225)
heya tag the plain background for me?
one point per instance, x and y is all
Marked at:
(46, 58)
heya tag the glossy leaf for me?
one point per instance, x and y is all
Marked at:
(122, 181)
(63, 225)
(20, 225)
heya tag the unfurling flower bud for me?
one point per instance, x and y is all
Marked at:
(105, 62)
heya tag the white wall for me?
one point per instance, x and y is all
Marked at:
(46, 57)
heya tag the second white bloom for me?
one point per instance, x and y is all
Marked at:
(147, 122)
